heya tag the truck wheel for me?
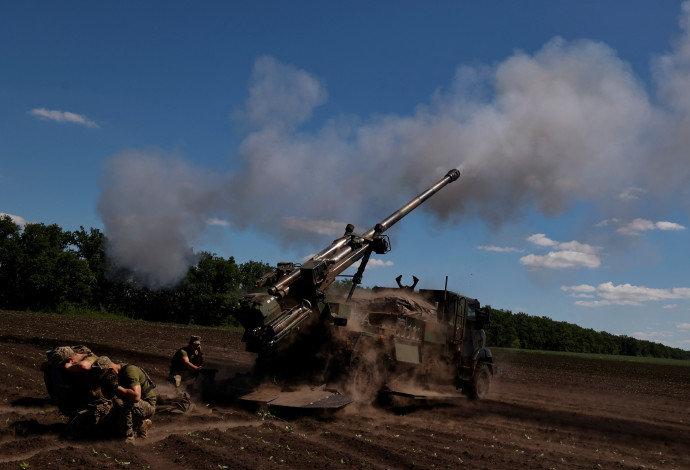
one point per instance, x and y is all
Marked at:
(481, 384)
(366, 381)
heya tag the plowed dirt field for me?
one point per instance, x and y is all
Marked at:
(544, 411)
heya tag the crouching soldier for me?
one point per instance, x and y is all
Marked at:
(64, 379)
(134, 398)
(94, 417)
(187, 362)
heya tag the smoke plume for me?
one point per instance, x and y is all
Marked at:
(568, 123)
(153, 206)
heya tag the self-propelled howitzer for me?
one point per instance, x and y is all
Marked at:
(294, 293)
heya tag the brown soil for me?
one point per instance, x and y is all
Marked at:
(544, 411)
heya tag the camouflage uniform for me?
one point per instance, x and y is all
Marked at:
(131, 415)
(69, 391)
(178, 371)
(92, 418)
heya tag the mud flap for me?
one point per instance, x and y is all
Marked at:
(442, 393)
(307, 399)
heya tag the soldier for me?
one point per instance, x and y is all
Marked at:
(186, 362)
(134, 397)
(80, 361)
(474, 340)
(67, 387)
(94, 412)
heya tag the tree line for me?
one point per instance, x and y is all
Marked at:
(45, 268)
(519, 330)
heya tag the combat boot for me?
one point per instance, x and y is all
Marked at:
(143, 431)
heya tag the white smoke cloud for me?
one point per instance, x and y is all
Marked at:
(670, 169)
(321, 227)
(569, 123)
(153, 207)
(280, 96)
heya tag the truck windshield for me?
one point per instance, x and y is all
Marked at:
(471, 314)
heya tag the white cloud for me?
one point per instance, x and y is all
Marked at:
(541, 240)
(216, 221)
(671, 306)
(62, 116)
(641, 293)
(374, 263)
(631, 194)
(655, 336)
(572, 254)
(684, 327)
(627, 294)
(636, 227)
(578, 247)
(378, 263)
(15, 218)
(639, 226)
(581, 291)
(498, 249)
(580, 288)
(604, 303)
(561, 260)
(669, 226)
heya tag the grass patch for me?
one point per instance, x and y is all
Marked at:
(604, 357)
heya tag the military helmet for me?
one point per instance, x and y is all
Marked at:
(101, 365)
(61, 354)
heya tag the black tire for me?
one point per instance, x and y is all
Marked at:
(366, 381)
(481, 383)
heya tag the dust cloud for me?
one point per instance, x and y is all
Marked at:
(571, 122)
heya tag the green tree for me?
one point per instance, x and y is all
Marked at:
(252, 271)
(212, 289)
(47, 273)
(10, 255)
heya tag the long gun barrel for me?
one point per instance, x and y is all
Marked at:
(294, 292)
(346, 251)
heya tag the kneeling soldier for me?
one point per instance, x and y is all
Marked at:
(133, 397)
(186, 362)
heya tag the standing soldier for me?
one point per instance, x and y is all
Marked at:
(474, 340)
(186, 362)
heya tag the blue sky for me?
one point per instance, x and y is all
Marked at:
(259, 129)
